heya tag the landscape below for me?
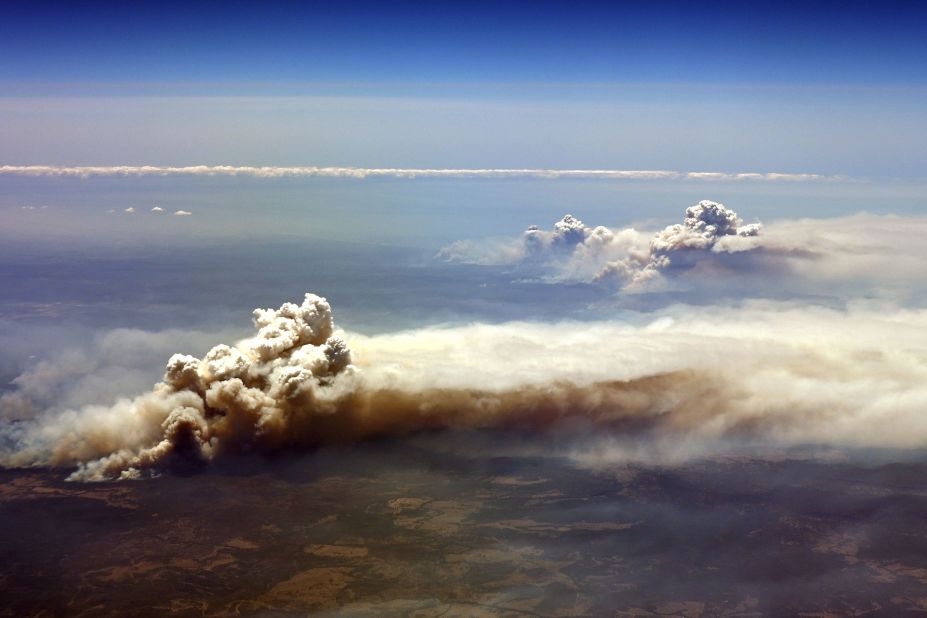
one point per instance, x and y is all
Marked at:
(408, 527)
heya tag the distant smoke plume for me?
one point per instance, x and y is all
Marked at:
(783, 373)
(712, 255)
(575, 251)
(704, 225)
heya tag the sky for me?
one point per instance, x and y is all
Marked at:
(733, 191)
(834, 90)
(536, 84)
(514, 42)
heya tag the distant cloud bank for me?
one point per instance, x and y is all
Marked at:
(394, 172)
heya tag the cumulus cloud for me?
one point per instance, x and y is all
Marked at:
(362, 172)
(712, 250)
(130, 209)
(182, 213)
(785, 373)
(704, 225)
(573, 250)
(157, 209)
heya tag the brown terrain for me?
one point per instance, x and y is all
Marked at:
(400, 530)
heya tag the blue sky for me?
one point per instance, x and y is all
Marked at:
(827, 88)
(523, 42)
(836, 89)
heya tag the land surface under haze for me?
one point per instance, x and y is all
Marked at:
(406, 528)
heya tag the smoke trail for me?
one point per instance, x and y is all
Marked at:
(782, 373)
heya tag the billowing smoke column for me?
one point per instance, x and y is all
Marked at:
(574, 251)
(293, 385)
(567, 233)
(712, 254)
(704, 224)
(782, 374)
(236, 398)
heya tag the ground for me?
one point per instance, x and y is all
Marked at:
(399, 530)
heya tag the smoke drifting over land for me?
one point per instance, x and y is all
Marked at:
(782, 373)
(676, 381)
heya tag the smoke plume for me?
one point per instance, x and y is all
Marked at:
(704, 225)
(713, 255)
(782, 373)
(574, 251)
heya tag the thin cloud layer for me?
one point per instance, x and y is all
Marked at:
(157, 210)
(786, 374)
(392, 172)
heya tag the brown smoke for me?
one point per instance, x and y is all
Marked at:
(293, 385)
(234, 419)
(781, 373)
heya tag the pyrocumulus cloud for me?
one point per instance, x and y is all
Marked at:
(573, 250)
(713, 250)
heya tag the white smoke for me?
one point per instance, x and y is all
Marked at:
(574, 251)
(784, 373)
(704, 225)
(248, 388)
(93, 369)
(713, 253)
